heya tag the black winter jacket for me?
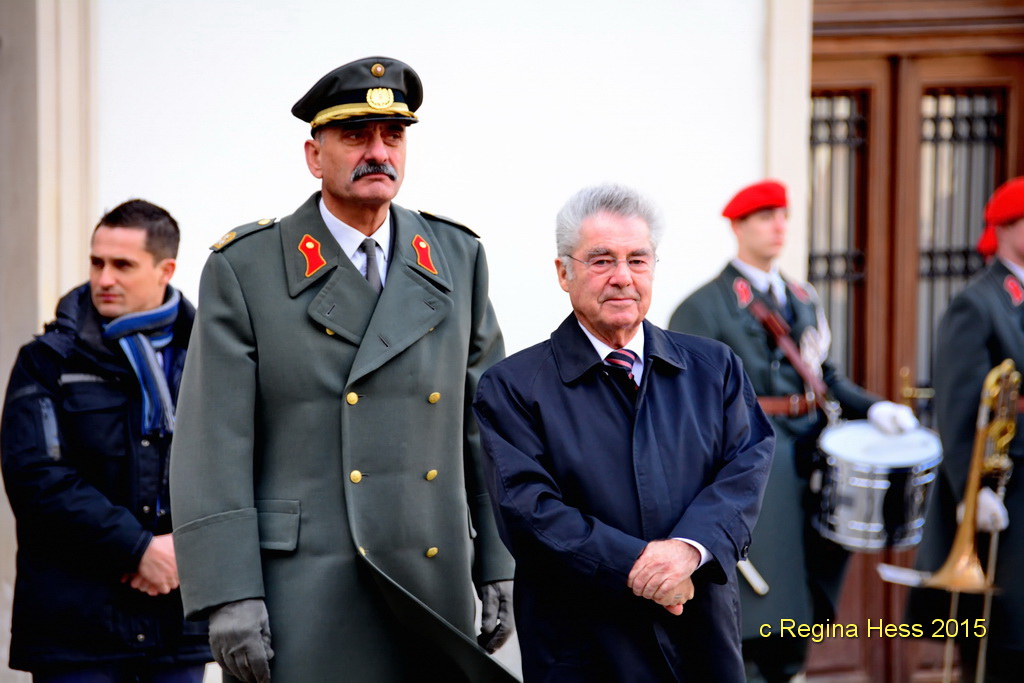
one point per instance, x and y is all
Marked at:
(88, 493)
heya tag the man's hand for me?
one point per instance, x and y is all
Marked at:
(683, 593)
(240, 639)
(662, 573)
(158, 570)
(991, 512)
(497, 623)
(891, 418)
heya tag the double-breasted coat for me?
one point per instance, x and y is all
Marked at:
(804, 571)
(983, 326)
(326, 458)
(584, 476)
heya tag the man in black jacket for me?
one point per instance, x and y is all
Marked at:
(85, 440)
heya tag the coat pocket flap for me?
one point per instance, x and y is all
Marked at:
(278, 522)
(91, 397)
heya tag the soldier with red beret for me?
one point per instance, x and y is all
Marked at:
(803, 570)
(983, 326)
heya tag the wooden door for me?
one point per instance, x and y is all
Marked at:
(916, 117)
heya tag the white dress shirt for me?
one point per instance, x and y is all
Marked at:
(350, 239)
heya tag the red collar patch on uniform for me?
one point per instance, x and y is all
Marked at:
(423, 254)
(1013, 288)
(743, 294)
(310, 248)
(799, 291)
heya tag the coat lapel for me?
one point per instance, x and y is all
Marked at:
(738, 292)
(415, 299)
(345, 302)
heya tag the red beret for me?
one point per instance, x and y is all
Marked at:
(767, 194)
(1005, 206)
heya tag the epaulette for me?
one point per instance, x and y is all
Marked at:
(449, 221)
(240, 232)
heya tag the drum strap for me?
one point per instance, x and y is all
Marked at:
(779, 330)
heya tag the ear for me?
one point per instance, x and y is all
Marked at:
(737, 226)
(312, 149)
(167, 268)
(563, 275)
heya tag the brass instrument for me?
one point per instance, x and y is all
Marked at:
(962, 571)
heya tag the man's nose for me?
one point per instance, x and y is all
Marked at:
(621, 275)
(105, 278)
(376, 150)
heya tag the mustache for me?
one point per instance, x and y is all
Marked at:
(370, 169)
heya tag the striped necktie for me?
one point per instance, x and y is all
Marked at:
(623, 358)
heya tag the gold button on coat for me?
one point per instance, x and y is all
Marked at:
(329, 331)
(431, 475)
(431, 552)
(352, 398)
(356, 476)
(434, 397)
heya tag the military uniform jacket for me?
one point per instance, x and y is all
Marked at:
(324, 458)
(983, 326)
(779, 552)
(583, 477)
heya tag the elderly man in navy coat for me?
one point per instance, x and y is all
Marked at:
(627, 465)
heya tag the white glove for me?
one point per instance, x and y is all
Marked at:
(892, 418)
(992, 514)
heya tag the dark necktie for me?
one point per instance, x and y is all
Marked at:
(369, 247)
(623, 358)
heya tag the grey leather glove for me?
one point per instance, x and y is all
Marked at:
(240, 639)
(497, 623)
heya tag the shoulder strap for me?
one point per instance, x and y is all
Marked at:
(779, 330)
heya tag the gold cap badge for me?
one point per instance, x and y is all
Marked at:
(377, 69)
(380, 98)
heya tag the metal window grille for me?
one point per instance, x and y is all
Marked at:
(962, 142)
(836, 257)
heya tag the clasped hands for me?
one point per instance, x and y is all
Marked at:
(663, 573)
(158, 570)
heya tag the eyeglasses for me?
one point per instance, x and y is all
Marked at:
(602, 264)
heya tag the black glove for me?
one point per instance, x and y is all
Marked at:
(240, 639)
(497, 623)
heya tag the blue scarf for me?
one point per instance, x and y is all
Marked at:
(141, 335)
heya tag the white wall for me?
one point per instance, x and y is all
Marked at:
(523, 105)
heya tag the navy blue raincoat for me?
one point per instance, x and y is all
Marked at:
(583, 475)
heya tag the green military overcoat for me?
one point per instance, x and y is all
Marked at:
(803, 571)
(325, 457)
(983, 326)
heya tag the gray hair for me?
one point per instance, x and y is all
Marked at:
(610, 198)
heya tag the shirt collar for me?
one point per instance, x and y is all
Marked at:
(762, 281)
(349, 239)
(1017, 271)
(636, 345)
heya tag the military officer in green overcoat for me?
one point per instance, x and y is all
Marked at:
(330, 517)
(803, 571)
(983, 326)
